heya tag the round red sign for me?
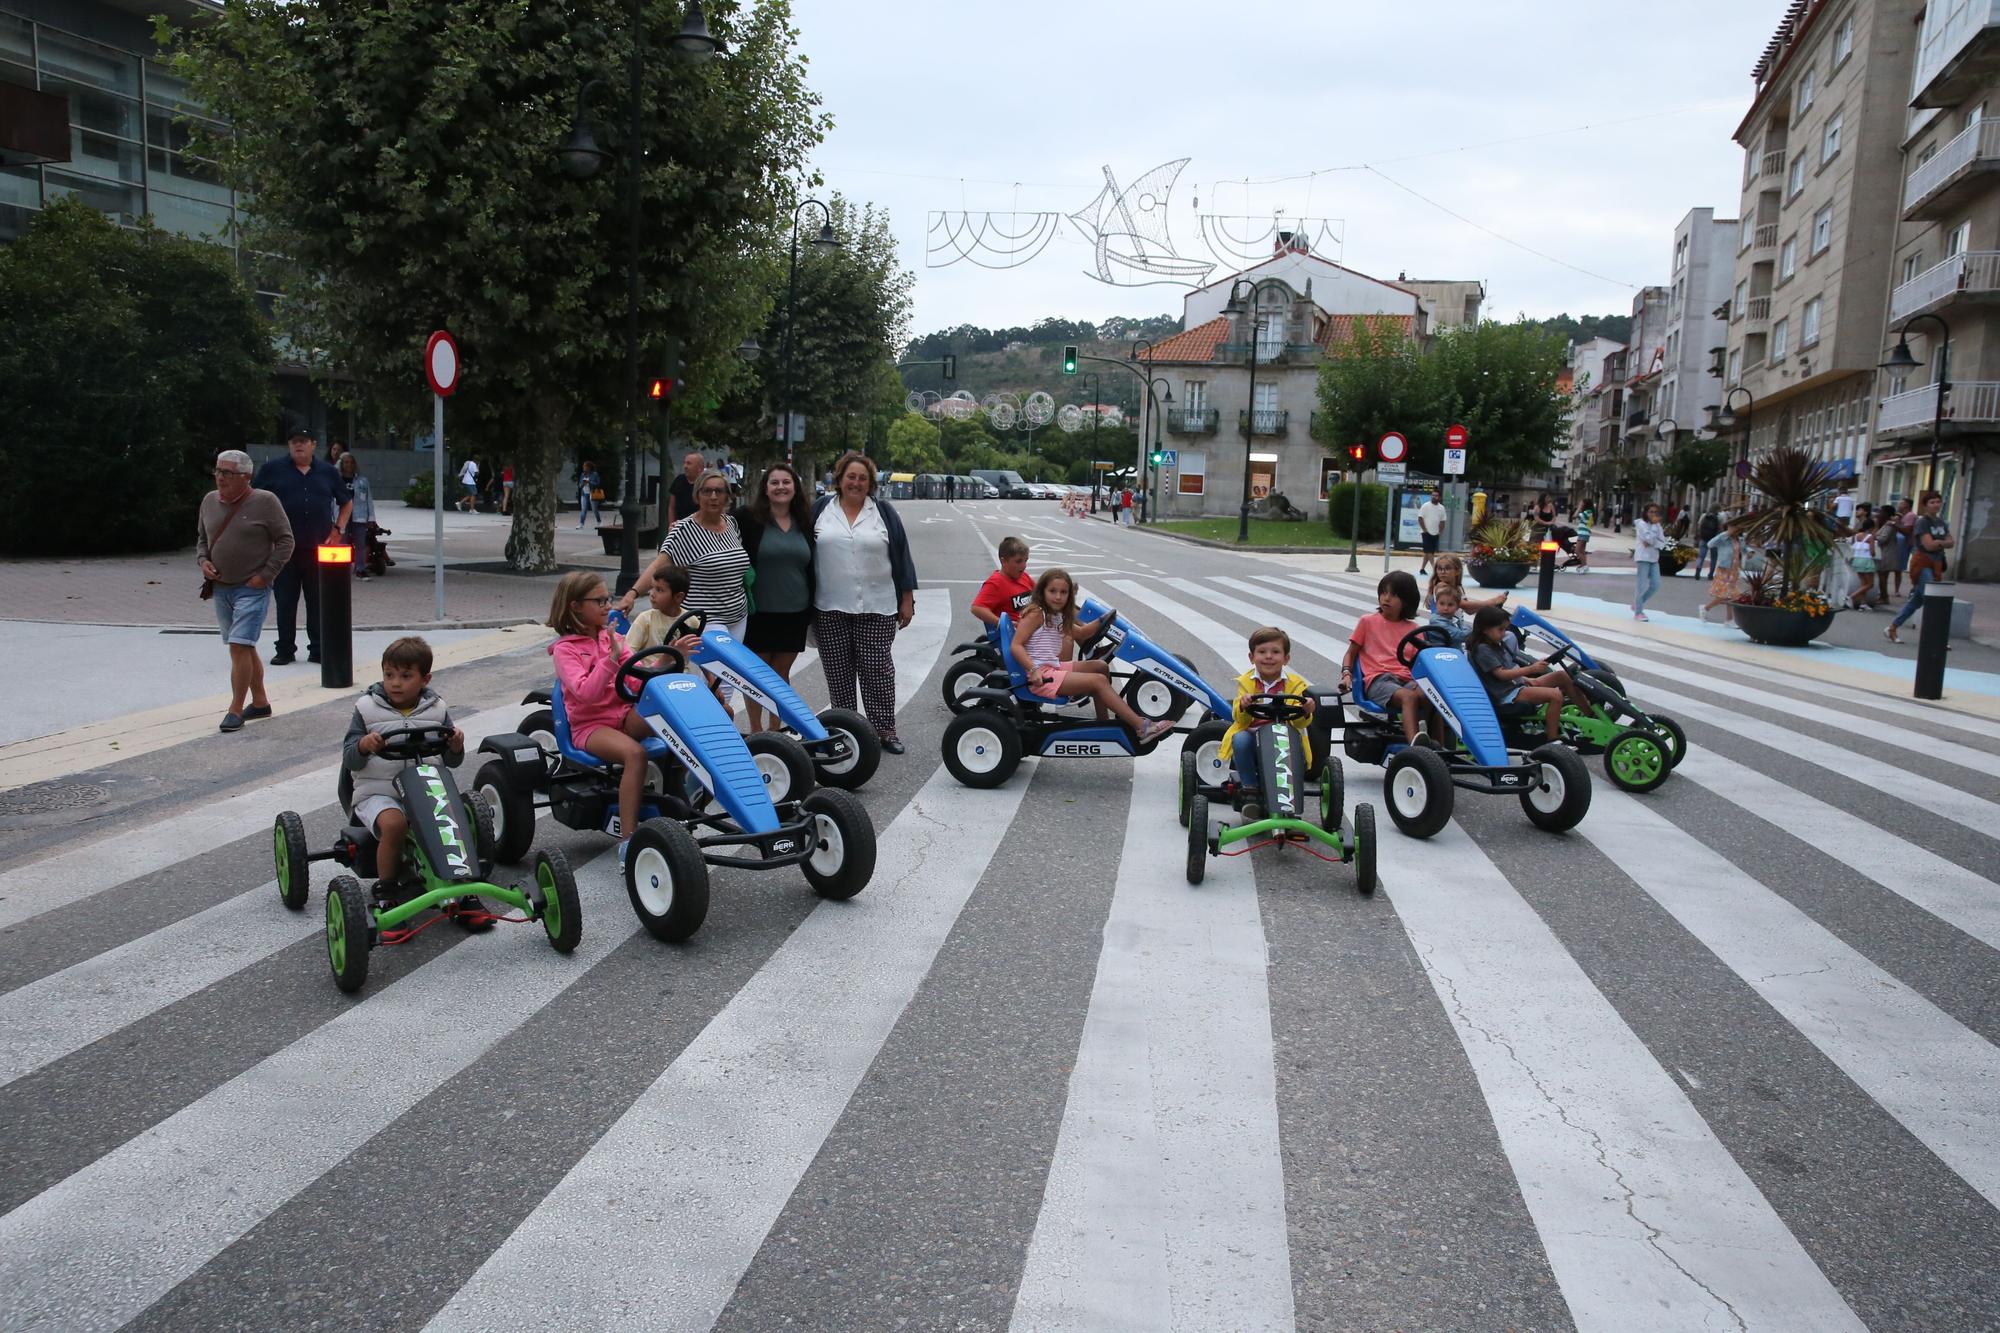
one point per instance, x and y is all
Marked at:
(441, 363)
(1392, 448)
(1454, 437)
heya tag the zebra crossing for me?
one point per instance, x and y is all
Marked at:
(1725, 1055)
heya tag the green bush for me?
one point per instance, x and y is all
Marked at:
(418, 494)
(1340, 510)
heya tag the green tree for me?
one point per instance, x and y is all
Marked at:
(1375, 384)
(912, 446)
(402, 156)
(1698, 464)
(1499, 382)
(128, 358)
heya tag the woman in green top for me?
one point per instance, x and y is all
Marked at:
(778, 535)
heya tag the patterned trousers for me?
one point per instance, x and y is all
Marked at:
(859, 646)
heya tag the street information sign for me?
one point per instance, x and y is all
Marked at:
(1454, 462)
(1392, 471)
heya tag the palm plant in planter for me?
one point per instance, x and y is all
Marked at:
(1782, 607)
(1502, 552)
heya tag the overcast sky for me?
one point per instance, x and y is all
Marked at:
(947, 105)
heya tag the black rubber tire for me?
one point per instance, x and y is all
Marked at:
(994, 742)
(838, 815)
(867, 743)
(540, 727)
(1187, 785)
(1332, 794)
(483, 821)
(672, 902)
(1428, 768)
(514, 831)
(1677, 739)
(1197, 858)
(343, 790)
(1208, 735)
(784, 765)
(965, 673)
(1636, 761)
(562, 910)
(1574, 799)
(288, 850)
(349, 936)
(1364, 849)
(1609, 678)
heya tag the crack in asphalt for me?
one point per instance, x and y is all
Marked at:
(1653, 1234)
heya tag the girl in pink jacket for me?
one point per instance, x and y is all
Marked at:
(588, 655)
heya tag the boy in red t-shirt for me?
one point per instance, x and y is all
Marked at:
(1375, 640)
(1008, 589)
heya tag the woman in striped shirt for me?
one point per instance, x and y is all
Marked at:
(709, 546)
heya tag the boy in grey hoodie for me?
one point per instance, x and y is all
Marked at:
(403, 698)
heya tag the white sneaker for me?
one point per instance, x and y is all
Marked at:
(622, 845)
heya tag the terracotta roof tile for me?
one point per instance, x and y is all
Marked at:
(1339, 329)
(1197, 344)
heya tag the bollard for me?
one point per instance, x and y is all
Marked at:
(1933, 638)
(1545, 587)
(336, 616)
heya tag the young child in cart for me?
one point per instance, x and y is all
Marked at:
(1269, 673)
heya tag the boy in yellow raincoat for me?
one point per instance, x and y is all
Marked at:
(1269, 673)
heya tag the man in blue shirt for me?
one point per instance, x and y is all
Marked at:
(316, 502)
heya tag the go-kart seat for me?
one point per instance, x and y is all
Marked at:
(1017, 675)
(1360, 694)
(654, 747)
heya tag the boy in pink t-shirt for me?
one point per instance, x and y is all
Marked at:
(1374, 642)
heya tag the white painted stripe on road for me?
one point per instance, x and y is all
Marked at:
(1211, 633)
(1940, 1080)
(656, 1224)
(1646, 1219)
(1165, 1203)
(94, 1250)
(72, 876)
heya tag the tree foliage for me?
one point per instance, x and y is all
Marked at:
(128, 358)
(1698, 463)
(1582, 328)
(401, 156)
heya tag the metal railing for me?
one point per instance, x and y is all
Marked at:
(1976, 142)
(1270, 421)
(1964, 401)
(1972, 271)
(1192, 420)
(1958, 23)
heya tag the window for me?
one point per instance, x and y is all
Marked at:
(1265, 408)
(1930, 151)
(1913, 264)
(1795, 179)
(1745, 234)
(1735, 366)
(1781, 339)
(1822, 231)
(1897, 383)
(1957, 239)
(1788, 257)
(1974, 114)
(1192, 473)
(1195, 396)
(1843, 41)
(1829, 139)
(1806, 88)
(1741, 302)
(1809, 324)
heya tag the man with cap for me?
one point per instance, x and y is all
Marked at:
(316, 502)
(242, 541)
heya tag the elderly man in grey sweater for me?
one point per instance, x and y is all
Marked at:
(242, 540)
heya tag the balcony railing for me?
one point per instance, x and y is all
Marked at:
(1766, 237)
(1270, 421)
(1192, 420)
(1773, 164)
(1268, 353)
(1758, 310)
(1976, 272)
(1955, 34)
(1965, 401)
(1977, 149)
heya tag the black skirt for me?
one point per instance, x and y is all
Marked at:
(777, 631)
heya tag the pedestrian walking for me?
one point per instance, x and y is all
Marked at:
(589, 494)
(468, 485)
(1648, 539)
(1579, 539)
(361, 513)
(1886, 546)
(1864, 569)
(864, 590)
(316, 503)
(777, 533)
(242, 540)
(1125, 506)
(1928, 559)
(507, 488)
(951, 490)
(1430, 526)
(1906, 523)
(680, 495)
(1728, 555)
(1705, 529)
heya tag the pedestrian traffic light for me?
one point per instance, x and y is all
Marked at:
(661, 389)
(1359, 453)
(950, 366)
(1157, 457)
(1069, 360)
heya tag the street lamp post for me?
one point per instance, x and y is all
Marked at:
(1661, 435)
(1252, 324)
(824, 242)
(581, 158)
(1900, 360)
(1723, 418)
(1163, 403)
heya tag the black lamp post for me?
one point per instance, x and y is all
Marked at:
(1724, 418)
(1661, 435)
(1252, 323)
(824, 242)
(1902, 362)
(1162, 404)
(581, 158)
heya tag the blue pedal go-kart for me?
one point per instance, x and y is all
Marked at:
(1420, 784)
(1640, 749)
(1155, 682)
(1009, 721)
(706, 801)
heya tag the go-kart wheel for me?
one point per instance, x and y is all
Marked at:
(483, 821)
(1205, 744)
(1364, 849)
(1677, 739)
(783, 763)
(513, 812)
(667, 880)
(1562, 798)
(1197, 860)
(343, 790)
(1187, 785)
(1417, 786)
(1636, 761)
(540, 727)
(965, 674)
(843, 858)
(1332, 794)
(981, 748)
(348, 935)
(863, 742)
(288, 849)
(562, 911)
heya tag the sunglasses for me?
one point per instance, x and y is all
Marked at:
(713, 490)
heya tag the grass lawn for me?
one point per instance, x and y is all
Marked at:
(1263, 531)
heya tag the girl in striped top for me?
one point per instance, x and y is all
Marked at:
(1045, 642)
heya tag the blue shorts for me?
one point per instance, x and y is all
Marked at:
(239, 612)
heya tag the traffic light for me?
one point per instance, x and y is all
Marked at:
(1157, 457)
(950, 366)
(1359, 454)
(661, 389)
(1069, 360)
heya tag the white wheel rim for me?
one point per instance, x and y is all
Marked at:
(830, 853)
(1411, 794)
(1209, 765)
(1547, 795)
(965, 682)
(491, 795)
(656, 778)
(978, 750)
(777, 777)
(853, 752)
(1153, 700)
(653, 880)
(546, 740)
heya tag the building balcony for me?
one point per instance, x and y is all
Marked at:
(1957, 171)
(1772, 164)
(1268, 354)
(1757, 311)
(1765, 238)
(1972, 276)
(1957, 52)
(1973, 404)
(1269, 421)
(1192, 420)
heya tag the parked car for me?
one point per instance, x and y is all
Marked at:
(1009, 484)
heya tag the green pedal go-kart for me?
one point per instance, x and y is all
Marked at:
(1641, 749)
(1290, 797)
(444, 874)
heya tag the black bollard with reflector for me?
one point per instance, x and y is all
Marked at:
(1545, 588)
(336, 616)
(1933, 640)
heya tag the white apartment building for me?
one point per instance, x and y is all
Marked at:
(1697, 336)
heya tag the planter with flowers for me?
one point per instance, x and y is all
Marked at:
(1501, 553)
(1675, 558)
(1780, 605)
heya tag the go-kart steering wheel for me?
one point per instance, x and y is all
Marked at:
(1089, 645)
(414, 741)
(1278, 708)
(689, 622)
(1420, 638)
(630, 670)
(1554, 659)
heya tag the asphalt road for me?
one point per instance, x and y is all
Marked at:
(1722, 1057)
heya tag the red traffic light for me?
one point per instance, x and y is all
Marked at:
(1357, 452)
(660, 388)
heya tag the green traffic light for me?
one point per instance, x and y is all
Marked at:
(1069, 360)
